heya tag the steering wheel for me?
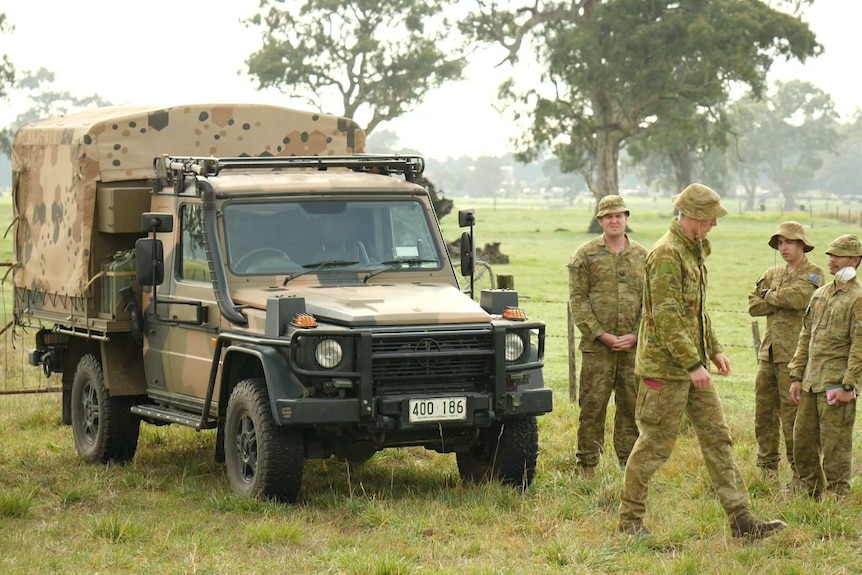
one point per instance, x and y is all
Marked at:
(261, 254)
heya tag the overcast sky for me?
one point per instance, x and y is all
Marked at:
(190, 51)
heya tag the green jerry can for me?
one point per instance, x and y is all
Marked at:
(118, 272)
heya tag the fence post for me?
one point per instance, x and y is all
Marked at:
(573, 362)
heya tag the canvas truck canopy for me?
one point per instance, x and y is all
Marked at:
(58, 162)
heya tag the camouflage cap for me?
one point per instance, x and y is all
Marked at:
(845, 246)
(611, 205)
(791, 231)
(699, 202)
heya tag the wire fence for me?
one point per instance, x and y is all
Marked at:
(554, 331)
(17, 376)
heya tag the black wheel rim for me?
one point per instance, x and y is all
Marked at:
(246, 448)
(90, 413)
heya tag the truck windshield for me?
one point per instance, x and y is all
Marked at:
(329, 236)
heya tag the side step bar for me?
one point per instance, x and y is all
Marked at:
(172, 416)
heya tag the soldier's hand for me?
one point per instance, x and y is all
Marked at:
(626, 342)
(795, 392)
(700, 377)
(609, 340)
(844, 396)
(722, 364)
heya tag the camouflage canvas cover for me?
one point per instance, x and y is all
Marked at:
(58, 162)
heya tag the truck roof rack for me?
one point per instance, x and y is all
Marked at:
(171, 168)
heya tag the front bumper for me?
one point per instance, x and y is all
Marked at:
(391, 413)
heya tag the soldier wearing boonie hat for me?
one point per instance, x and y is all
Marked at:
(781, 294)
(825, 373)
(611, 204)
(675, 343)
(699, 202)
(605, 289)
(847, 246)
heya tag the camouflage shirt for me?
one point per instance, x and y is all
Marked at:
(783, 306)
(675, 333)
(605, 290)
(830, 343)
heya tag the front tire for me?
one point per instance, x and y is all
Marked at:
(506, 451)
(263, 459)
(104, 428)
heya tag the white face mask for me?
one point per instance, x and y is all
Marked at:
(845, 274)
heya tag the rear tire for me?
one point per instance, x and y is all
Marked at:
(506, 451)
(263, 459)
(104, 428)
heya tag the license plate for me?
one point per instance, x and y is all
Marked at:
(438, 409)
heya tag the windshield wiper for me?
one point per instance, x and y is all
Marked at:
(394, 264)
(308, 268)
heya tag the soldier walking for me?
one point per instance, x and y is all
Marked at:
(825, 373)
(605, 289)
(781, 294)
(675, 342)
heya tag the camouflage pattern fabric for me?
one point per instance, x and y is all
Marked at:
(603, 373)
(605, 290)
(829, 354)
(659, 413)
(829, 351)
(783, 305)
(823, 446)
(773, 412)
(676, 335)
(55, 208)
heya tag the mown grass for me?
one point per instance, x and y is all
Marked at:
(406, 511)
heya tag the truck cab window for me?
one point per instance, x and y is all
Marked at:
(194, 261)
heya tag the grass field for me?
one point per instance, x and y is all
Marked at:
(406, 512)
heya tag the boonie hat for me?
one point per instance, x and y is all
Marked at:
(699, 202)
(845, 246)
(791, 231)
(611, 205)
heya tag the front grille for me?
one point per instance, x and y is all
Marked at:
(432, 361)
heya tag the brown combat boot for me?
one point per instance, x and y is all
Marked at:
(770, 474)
(747, 525)
(635, 528)
(586, 472)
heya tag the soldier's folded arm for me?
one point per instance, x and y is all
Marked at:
(794, 296)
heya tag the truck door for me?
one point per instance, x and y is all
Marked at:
(190, 344)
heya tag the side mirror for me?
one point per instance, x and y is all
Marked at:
(149, 262)
(157, 223)
(467, 257)
(466, 217)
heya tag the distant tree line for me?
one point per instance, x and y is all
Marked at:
(640, 88)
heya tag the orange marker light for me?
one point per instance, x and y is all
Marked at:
(514, 313)
(304, 320)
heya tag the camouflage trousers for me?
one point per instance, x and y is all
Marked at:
(603, 373)
(773, 413)
(823, 443)
(659, 413)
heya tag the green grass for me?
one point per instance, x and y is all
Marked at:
(406, 512)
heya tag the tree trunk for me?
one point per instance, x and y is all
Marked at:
(789, 199)
(681, 161)
(608, 139)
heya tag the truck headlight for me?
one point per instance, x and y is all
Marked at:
(328, 353)
(514, 346)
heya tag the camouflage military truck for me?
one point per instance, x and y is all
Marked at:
(248, 269)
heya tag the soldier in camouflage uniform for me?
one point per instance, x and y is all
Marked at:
(605, 288)
(825, 373)
(675, 342)
(782, 295)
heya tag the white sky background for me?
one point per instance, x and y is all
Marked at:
(190, 51)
